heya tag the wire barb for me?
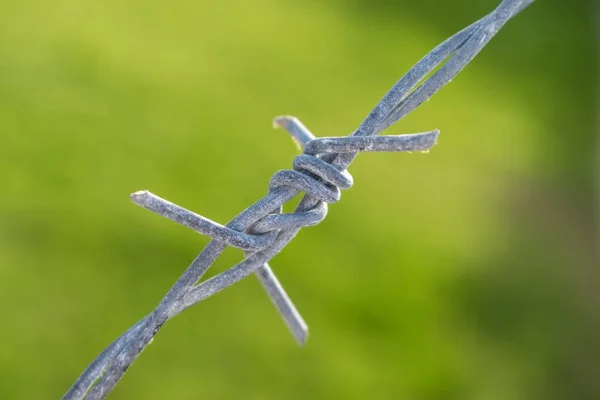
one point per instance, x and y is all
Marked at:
(263, 230)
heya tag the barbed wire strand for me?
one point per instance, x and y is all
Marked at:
(262, 230)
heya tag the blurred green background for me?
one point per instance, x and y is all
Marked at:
(474, 276)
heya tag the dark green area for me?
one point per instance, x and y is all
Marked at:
(474, 276)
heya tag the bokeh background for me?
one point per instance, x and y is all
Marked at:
(473, 276)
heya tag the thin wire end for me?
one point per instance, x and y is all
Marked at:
(139, 196)
(284, 121)
(295, 128)
(302, 339)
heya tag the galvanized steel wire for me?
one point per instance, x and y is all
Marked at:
(263, 230)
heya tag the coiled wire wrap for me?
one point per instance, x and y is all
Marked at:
(311, 174)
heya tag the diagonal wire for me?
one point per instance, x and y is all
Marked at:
(262, 230)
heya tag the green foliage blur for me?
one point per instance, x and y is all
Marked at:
(473, 276)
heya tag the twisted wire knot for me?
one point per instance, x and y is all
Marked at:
(316, 177)
(311, 174)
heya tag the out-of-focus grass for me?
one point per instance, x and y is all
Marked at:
(471, 277)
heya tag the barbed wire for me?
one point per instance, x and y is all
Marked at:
(263, 230)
